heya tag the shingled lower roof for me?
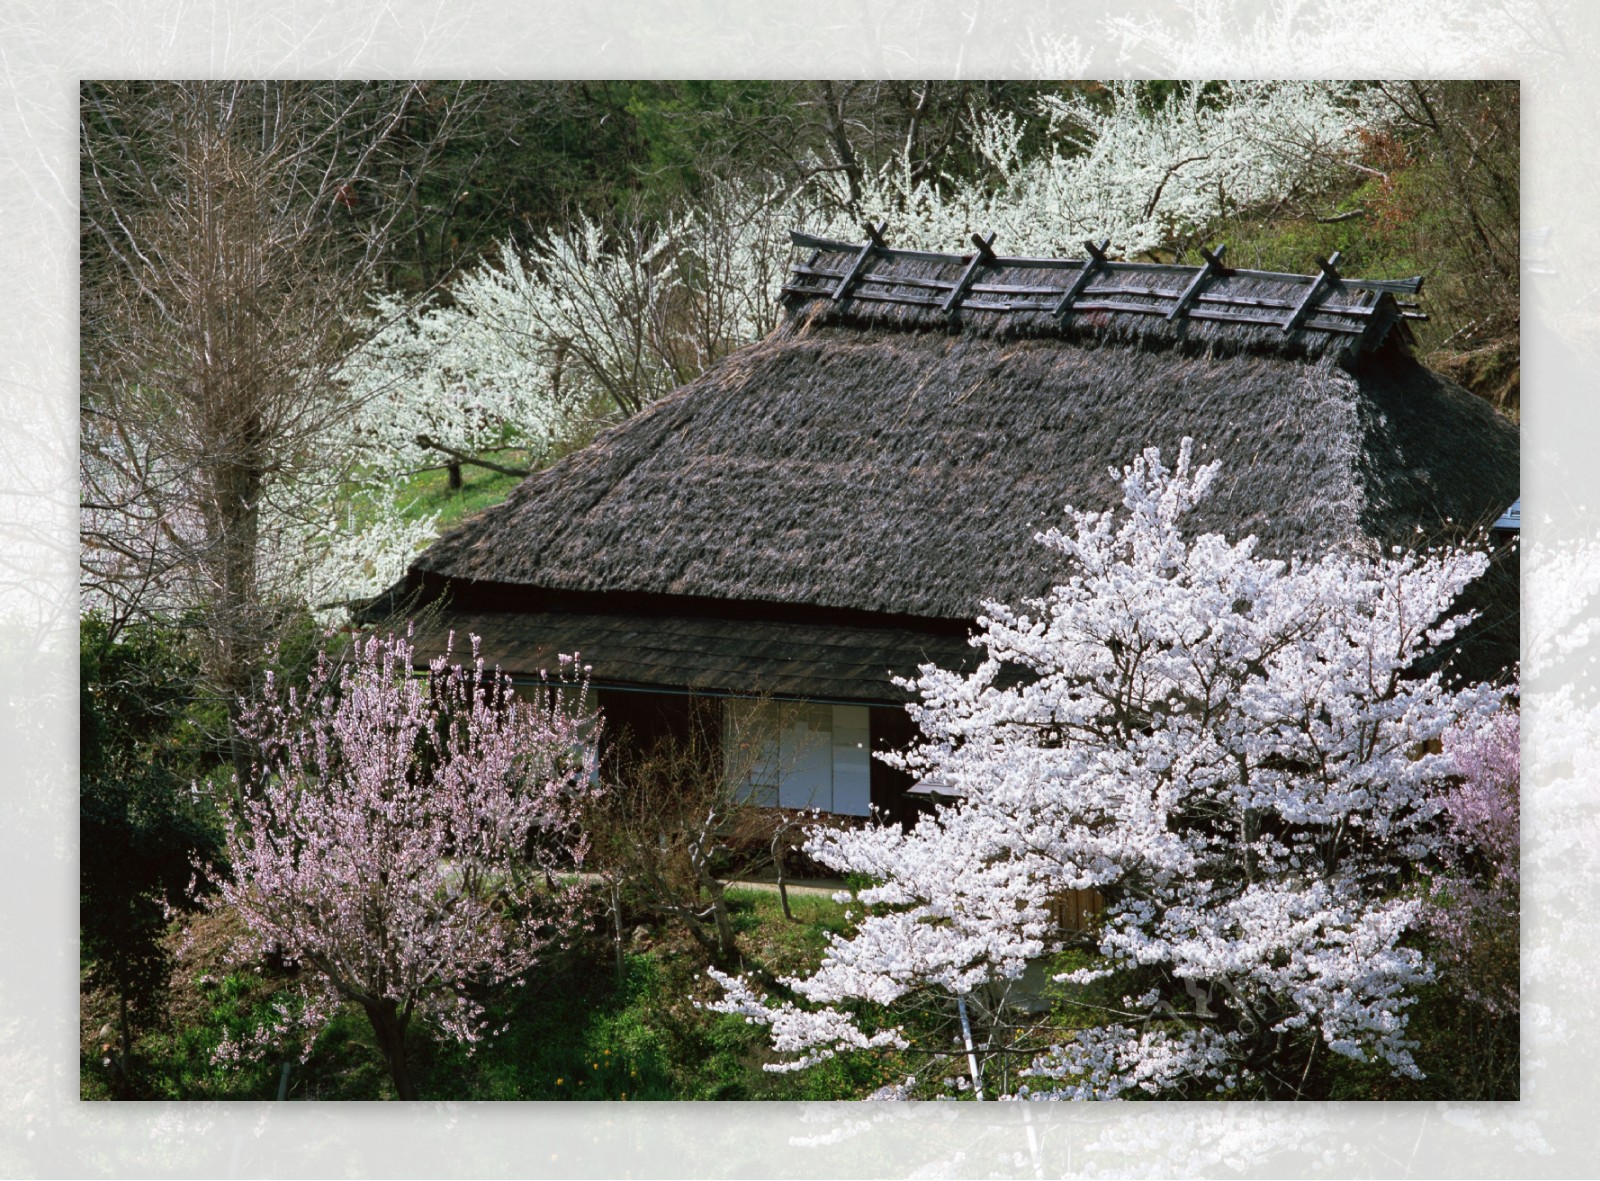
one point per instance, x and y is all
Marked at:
(808, 661)
(876, 467)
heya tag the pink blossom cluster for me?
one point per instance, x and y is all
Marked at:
(401, 838)
(1475, 915)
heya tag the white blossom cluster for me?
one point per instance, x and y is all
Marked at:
(353, 544)
(472, 374)
(1233, 750)
(1141, 175)
(524, 345)
(1107, 1062)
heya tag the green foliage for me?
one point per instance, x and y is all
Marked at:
(529, 155)
(139, 826)
(571, 1031)
(1435, 196)
(682, 128)
(579, 1034)
(1467, 1052)
(232, 1007)
(575, 1034)
(182, 1063)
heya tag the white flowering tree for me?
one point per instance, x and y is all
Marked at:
(597, 317)
(1145, 175)
(464, 377)
(1230, 750)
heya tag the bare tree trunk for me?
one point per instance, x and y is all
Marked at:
(839, 140)
(778, 840)
(723, 921)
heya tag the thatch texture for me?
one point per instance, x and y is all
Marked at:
(906, 472)
(837, 502)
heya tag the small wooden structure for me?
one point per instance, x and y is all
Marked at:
(1075, 910)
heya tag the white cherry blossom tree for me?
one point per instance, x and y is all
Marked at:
(598, 317)
(1235, 751)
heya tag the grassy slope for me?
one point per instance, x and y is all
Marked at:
(1396, 229)
(429, 492)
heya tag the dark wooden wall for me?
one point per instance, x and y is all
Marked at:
(641, 721)
(892, 730)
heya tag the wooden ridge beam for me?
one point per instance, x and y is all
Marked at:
(1214, 268)
(1096, 260)
(1197, 312)
(1411, 286)
(984, 257)
(1220, 299)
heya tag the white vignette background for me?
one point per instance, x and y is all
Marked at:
(46, 46)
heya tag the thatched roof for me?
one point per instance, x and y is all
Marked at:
(892, 462)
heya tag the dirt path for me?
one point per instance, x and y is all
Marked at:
(794, 885)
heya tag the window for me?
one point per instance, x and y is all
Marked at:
(799, 755)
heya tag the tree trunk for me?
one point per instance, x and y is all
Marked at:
(726, 949)
(454, 470)
(390, 1029)
(778, 850)
(122, 1074)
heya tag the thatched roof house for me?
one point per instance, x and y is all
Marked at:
(832, 505)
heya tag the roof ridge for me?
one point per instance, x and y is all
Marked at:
(1412, 285)
(1327, 311)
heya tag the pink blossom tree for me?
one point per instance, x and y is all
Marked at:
(402, 838)
(1233, 751)
(1475, 917)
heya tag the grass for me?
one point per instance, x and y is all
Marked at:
(429, 492)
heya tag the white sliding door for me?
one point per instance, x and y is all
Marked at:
(852, 761)
(800, 755)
